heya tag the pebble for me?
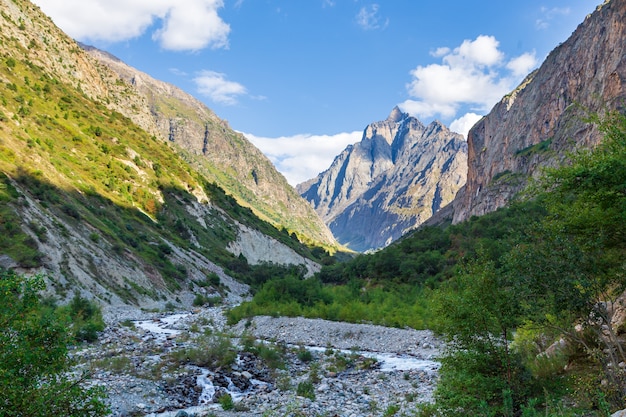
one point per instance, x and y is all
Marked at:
(146, 386)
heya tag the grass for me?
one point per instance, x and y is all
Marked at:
(541, 147)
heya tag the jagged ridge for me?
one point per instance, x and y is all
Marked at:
(389, 183)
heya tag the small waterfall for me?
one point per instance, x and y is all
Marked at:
(208, 389)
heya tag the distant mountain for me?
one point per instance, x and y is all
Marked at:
(390, 182)
(537, 124)
(97, 196)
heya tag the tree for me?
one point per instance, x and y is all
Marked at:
(478, 310)
(574, 266)
(563, 277)
(34, 362)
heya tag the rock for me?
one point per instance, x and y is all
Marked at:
(323, 388)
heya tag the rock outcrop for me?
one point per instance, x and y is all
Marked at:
(389, 183)
(546, 116)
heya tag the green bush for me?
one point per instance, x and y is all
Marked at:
(86, 318)
(35, 378)
(305, 355)
(210, 351)
(306, 389)
(226, 401)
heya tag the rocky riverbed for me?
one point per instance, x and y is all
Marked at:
(192, 363)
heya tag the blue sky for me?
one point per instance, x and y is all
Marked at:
(302, 78)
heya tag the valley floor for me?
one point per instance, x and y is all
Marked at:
(324, 368)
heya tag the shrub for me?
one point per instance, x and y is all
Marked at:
(86, 317)
(34, 363)
(305, 389)
(211, 351)
(226, 401)
(305, 355)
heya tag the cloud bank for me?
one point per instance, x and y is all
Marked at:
(302, 157)
(189, 25)
(475, 74)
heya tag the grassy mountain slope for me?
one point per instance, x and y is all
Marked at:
(211, 146)
(95, 200)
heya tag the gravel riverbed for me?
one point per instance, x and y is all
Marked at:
(284, 366)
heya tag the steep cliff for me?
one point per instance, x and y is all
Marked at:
(546, 116)
(392, 181)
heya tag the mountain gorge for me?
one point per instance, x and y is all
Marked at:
(390, 182)
(126, 191)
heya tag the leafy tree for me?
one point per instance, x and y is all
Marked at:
(575, 269)
(560, 277)
(34, 362)
(477, 311)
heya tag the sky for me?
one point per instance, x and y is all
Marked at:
(303, 78)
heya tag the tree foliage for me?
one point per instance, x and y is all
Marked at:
(34, 362)
(559, 280)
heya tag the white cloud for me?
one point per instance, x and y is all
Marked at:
(464, 123)
(441, 51)
(188, 25)
(549, 14)
(302, 157)
(424, 109)
(215, 86)
(474, 74)
(523, 64)
(369, 18)
(483, 51)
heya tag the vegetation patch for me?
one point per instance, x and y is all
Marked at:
(538, 148)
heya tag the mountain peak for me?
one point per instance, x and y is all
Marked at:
(396, 115)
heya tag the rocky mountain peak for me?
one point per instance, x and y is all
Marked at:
(390, 182)
(396, 115)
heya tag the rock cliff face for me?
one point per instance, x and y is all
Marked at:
(544, 118)
(392, 181)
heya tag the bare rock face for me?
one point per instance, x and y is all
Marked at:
(545, 117)
(389, 183)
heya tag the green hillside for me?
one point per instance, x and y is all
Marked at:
(92, 170)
